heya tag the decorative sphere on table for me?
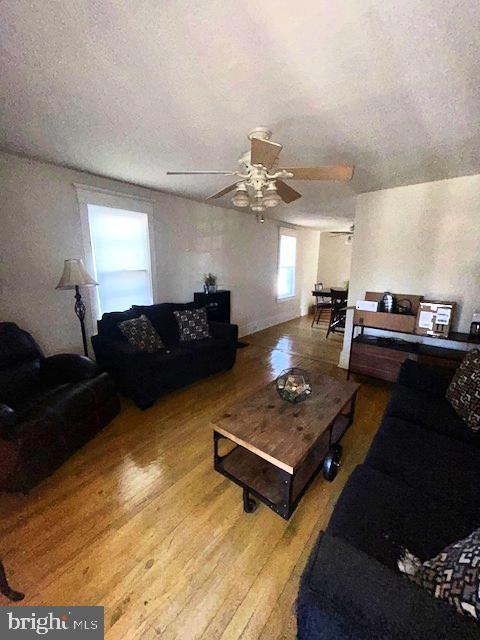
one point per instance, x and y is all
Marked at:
(294, 385)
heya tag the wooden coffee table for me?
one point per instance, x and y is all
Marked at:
(273, 449)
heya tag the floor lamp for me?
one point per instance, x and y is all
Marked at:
(75, 276)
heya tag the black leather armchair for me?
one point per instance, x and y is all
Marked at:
(49, 407)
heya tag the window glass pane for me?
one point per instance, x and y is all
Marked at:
(286, 266)
(118, 290)
(120, 238)
(286, 281)
(121, 255)
(287, 251)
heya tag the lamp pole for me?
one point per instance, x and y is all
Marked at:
(80, 311)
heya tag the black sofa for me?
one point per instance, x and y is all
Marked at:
(49, 407)
(145, 376)
(419, 488)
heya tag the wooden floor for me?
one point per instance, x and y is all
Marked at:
(137, 521)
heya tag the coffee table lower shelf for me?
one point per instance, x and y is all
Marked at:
(277, 489)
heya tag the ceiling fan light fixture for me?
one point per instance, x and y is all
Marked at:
(258, 207)
(241, 199)
(271, 198)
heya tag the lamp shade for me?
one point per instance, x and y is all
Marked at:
(75, 275)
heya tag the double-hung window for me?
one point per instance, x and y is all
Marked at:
(117, 250)
(121, 257)
(287, 253)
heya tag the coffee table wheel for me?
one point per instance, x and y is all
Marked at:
(332, 463)
(249, 504)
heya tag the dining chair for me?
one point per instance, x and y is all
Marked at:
(321, 303)
(338, 314)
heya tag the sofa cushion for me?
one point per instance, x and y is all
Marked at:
(426, 378)
(347, 595)
(464, 390)
(208, 346)
(433, 464)
(209, 355)
(168, 364)
(192, 324)
(141, 333)
(453, 575)
(431, 412)
(108, 325)
(162, 318)
(381, 516)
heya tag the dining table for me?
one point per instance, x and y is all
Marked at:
(327, 293)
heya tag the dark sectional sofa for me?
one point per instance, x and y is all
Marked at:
(145, 376)
(419, 488)
(49, 407)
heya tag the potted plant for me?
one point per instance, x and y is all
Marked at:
(210, 283)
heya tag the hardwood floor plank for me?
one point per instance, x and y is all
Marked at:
(139, 522)
(281, 621)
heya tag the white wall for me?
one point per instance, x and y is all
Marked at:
(420, 239)
(334, 258)
(40, 227)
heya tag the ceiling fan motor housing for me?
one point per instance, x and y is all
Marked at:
(262, 133)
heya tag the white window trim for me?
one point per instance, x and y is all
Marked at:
(117, 200)
(287, 231)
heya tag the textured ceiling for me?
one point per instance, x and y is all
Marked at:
(131, 89)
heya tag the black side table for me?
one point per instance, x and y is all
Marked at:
(217, 304)
(218, 307)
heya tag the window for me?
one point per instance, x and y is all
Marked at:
(286, 264)
(121, 257)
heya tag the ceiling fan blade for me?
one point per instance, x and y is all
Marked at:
(200, 173)
(264, 152)
(338, 173)
(286, 192)
(221, 193)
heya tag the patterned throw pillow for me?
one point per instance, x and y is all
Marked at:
(141, 334)
(192, 324)
(453, 575)
(464, 390)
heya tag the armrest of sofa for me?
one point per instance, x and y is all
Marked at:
(8, 420)
(347, 594)
(224, 330)
(68, 367)
(425, 378)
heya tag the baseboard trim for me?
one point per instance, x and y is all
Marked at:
(343, 360)
(265, 323)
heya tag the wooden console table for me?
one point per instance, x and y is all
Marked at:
(381, 357)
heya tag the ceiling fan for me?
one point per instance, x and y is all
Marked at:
(349, 234)
(260, 182)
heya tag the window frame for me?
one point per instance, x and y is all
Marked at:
(285, 231)
(87, 195)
